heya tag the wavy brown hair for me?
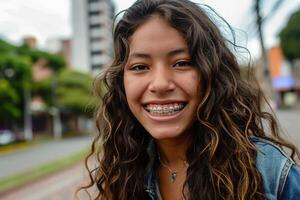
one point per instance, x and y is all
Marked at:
(221, 157)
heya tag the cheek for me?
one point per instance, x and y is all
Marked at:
(190, 83)
(127, 87)
(133, 89)
(196, 80)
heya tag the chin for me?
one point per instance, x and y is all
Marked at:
(165, 134)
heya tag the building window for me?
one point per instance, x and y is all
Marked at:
(94, 6)
(95, 39)
(94, 12)
(97, 66)
(96, 52)
(95, 19)
(95, 26)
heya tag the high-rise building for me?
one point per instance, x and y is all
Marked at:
(92, 34)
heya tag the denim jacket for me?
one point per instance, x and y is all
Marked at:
(281, 177)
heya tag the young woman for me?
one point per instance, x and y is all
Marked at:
(177, 121)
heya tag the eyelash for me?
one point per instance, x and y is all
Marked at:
(137, 67)
(183, 63)
(143, 67)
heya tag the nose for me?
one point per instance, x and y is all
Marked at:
(161, 80)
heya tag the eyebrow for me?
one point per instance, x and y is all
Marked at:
(171, 53)
(178, 51)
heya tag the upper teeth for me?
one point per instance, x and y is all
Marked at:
(164, 108)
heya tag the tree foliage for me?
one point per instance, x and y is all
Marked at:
(5, 47)
(56, 62)
(10, 100)
(290, 37)
(43, 89)
(69, 90)
(15, 77)
(73, 92)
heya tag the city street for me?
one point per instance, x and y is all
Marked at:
(68, 66)
(61, 185)
(20, 161)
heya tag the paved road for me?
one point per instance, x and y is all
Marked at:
(290, 123)
(21, 161)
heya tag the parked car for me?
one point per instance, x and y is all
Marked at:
(7, 137)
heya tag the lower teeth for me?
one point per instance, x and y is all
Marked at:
(163, 114)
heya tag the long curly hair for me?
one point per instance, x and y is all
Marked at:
(221, 156)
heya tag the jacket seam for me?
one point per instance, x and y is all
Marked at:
(283, 176)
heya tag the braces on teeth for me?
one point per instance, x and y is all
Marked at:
(164, 109)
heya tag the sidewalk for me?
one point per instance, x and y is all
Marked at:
(58, 186)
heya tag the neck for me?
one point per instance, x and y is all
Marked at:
(173, 151)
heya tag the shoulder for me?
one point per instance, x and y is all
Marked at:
(269, 152)
(274, 166)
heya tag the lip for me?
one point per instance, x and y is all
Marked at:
(164, 118)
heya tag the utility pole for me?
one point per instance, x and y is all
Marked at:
(268, 89)
(57, 126)
(27, 115)
(266, 72)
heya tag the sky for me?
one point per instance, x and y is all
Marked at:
(48, 20)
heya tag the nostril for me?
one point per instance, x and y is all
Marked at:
(161, 86)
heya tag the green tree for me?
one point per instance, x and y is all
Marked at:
(55, 62)
(5, 47)
(15, 77)
(43, 88)
(73, 92)
(290, 37)
(10, 99)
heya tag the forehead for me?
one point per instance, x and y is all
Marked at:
(156, 34)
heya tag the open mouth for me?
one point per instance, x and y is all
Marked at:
(164, 109)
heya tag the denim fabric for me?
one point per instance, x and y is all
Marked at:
(281, 177)
(291, 189)
(280, 174)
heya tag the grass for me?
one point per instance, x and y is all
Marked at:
(43, 170)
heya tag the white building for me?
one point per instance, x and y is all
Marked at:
(92, 34)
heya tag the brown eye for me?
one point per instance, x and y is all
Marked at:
(139, 67)
(183, 63)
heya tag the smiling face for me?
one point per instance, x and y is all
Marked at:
(161, 83)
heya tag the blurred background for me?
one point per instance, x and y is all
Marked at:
(50, 51)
